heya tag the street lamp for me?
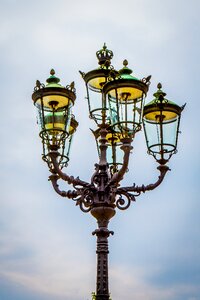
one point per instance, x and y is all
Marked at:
(116, 104)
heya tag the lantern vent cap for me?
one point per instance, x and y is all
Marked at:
(125, 72)
(159, 95)
(53, 81)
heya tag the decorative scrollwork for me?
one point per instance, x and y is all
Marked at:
(124, 203)
(113, 74)
(71, 87)
(95, 177)
(147, 80)
(86, 200)
(38, 86)
(70, 179)
(82, 74)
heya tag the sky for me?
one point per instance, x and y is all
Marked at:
(46, 247)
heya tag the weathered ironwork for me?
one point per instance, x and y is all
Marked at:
(103, 195)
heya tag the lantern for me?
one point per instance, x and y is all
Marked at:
(114, 153)
(161, 125)
(54, 102)
(125, 96)
(95, 81)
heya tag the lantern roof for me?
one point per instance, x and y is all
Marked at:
(123, 79)
(53, 93)
(159, 97)
(160, 103)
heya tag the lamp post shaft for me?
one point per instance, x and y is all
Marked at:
(103, 214)
(102, 289)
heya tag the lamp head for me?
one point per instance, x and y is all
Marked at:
(54, 103)
(161, 118)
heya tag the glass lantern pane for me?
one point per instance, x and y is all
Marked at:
(114, 156)
(95, 103)
(97, 83)
(62, 101)
(54, 125)
(161, 136)
(114, 153)
(133, 93)
(170, 134)
(152, 134)
(125, 113)
(40, 119)
(113, 110)
(55, 121)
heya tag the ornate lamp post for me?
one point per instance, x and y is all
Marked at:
(116, 104)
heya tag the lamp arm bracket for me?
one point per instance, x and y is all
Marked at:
(69, 194)
(138, 189)
(70, 179)
(82, 196)
(117, 177)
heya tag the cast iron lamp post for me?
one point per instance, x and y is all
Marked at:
(116, 104)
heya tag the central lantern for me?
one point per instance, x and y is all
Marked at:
(115, 99)
(95, 81)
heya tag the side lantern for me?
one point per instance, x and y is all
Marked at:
(161, 119)
(54, 103)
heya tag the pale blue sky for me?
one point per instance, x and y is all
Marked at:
(46, 247)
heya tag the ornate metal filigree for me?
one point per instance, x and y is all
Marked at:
(102, 197)
(138, 189)
(86, 200)
(124, 200)
(38, 86)
(71, 87)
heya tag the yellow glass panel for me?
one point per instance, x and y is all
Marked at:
(133, 93)
(169, 115)
(58, 126)
(97, 83)
(114, 137)
(71, 129)
(62, 101)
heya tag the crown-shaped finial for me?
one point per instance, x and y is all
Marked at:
(104, 56)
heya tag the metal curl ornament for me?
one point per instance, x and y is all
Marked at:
(123, 204)
(86, 200)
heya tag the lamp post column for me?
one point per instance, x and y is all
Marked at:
(103, 214)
